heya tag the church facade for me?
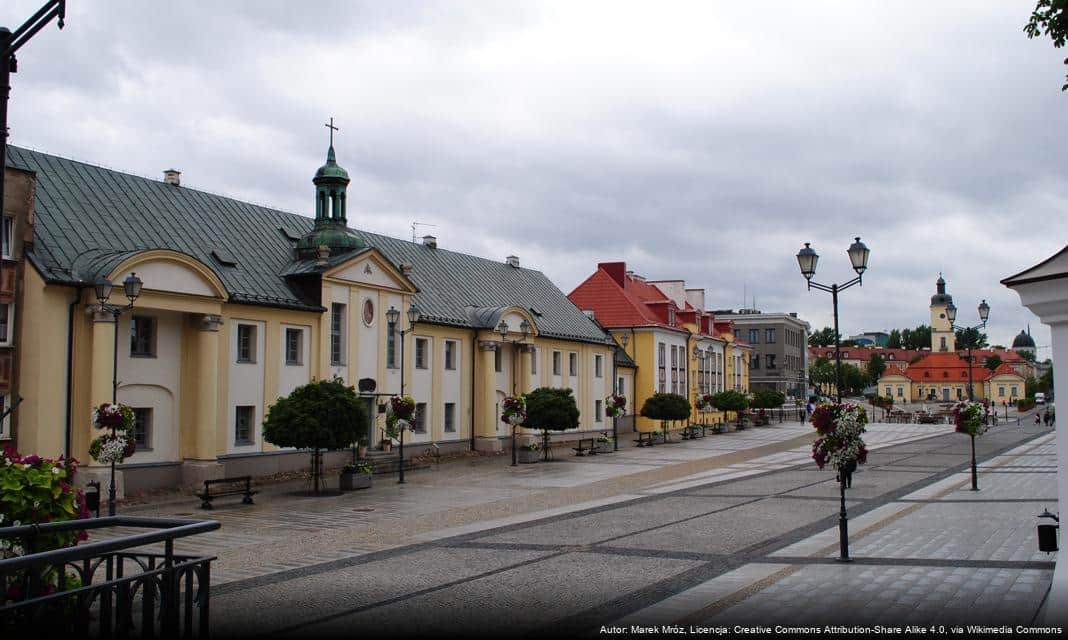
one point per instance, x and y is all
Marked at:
(242, 303)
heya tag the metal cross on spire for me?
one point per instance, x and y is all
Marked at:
(332, 130)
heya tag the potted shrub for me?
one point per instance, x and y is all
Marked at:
(320, 415)
(355, 476)
(551, 409)
(666, 407)
(604, 443)
(766, 399)
(731, 400)
(529, 452)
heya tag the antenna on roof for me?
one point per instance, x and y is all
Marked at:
(420, 224)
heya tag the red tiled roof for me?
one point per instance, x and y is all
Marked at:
(617, 305)
(951, 367)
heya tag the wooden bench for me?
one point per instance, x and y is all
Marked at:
(646, 441)
(581, 450)
(241, 485)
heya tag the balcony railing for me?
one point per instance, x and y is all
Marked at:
(108, 588)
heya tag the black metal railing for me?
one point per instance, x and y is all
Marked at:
(108, 588)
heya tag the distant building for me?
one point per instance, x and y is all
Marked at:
(1024, 343)
(780, 354)
(871, 339)
(16, 234)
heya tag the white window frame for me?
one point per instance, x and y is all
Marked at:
(450, 355)
(251, 426)
(7, 238)
(5, 424)
(339, 331)
(598, 366)
(299, 360)
(572, 364)
(598, 413)
(148, 427)
(449, 417)
(557, 363)
(7, 338)
(420, 354)
(250, 331)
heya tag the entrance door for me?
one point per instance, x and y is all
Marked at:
(945, 394)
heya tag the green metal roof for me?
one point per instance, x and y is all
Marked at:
(89, 219)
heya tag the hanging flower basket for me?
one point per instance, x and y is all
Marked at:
(399, 415)
(113, 416)
(970, 418)
(110, 448)
(840, 444)
(514, 410)
(615, 405)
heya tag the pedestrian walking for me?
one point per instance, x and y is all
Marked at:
(809, 409)
(1045, 418)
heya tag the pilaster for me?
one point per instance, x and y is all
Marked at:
(207, 386)
(486, 423)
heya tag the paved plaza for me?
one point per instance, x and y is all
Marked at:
(737, 528)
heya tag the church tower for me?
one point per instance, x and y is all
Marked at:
(942, 336)
(331, 225)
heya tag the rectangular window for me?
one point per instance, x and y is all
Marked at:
(246, 343)
(597, 411)
(420, 353)
(420, 418)
(572, 364)
(5, 241)
(770, 358)
(143, 337)
(1013, 391)
(243, 425)
(1001, 392)
(619, 387)
(661, 364)
(769, 336)
(450, 417)
(754, 336)
(142, 427)
(6, 325)
(556, 363)
(674, 369)
(497, 359)
(888, 391)
(337, 334)
(450, 354)
(294, 347)
(391, 346)
(533, 361)
(754, 362)
(598, 366)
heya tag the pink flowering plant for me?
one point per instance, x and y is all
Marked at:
(970, 418)
(36, 490)
(840, 427)
(514, 410)
(615, 405)
(703, 402)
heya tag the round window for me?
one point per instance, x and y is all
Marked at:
(368, 312)
(941, 315)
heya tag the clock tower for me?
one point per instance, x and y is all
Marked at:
(942, 336)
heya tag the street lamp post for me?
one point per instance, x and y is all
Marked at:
(131, 286)
(699, 376)
(524, 328)
(858, 257)
(951, 315)
(393, 317)
(623, 340)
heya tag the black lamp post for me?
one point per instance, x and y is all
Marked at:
(393, 317)
(9, 44)
(623, 340)
(858, 257)
(524, 328)
(131, 286)
(699, 375)
(951, 315)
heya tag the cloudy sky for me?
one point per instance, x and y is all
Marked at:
(702, 141)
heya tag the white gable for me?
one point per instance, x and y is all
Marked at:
(366, 270)
(169, 275)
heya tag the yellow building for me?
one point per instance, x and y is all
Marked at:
(242, 303)
(676, 345)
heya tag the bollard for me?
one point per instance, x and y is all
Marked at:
(92, 500)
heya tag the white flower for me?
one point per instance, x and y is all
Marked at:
(57, 470)
(36, 504)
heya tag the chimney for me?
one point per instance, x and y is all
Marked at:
(406, 269)
(614, 269)
(430, 241)
(170, 176)
(513, 261)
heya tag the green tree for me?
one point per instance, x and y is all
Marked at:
(822, 338)
(320, 415)
(821, 374)
(876, 367)
(992, 362)
(1027, 355)
(894, 341)
(767, 399)
(731, 400)
(1030, 387)
(666, 407)
(1050, 18)
(970, 338)
(551, 409)
(917, 338)
(854, 380)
